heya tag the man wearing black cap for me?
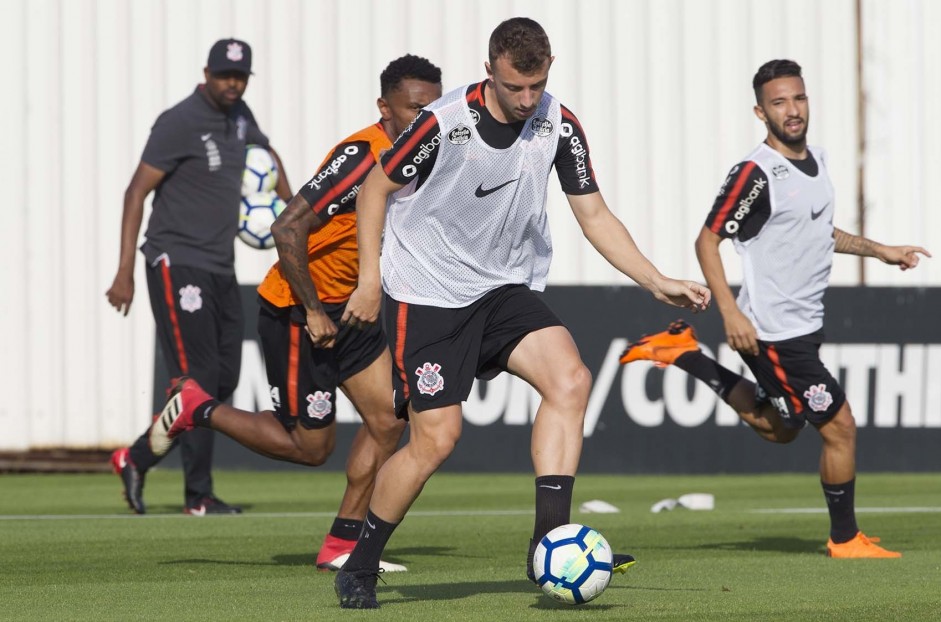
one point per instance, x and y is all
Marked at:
(193, 160)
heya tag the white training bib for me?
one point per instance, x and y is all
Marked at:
(479, 221)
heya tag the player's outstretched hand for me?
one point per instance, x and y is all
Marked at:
(905, 257)
(686, 294)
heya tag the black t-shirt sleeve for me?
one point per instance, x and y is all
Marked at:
(572, 161)
(743, 204)
(167, 144)
(414, 152)
(335, 186)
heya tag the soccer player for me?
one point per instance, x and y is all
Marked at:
(777, 206)
(193, 161)
(466, 243)
(302, 299)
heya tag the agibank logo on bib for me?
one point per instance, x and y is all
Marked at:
(429, 380)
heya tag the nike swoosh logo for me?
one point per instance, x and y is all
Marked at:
(837, 492)
(371, 526)
(815, 215)
(556, 487)
(481, 193)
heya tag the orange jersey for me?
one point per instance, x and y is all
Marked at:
(332, 253)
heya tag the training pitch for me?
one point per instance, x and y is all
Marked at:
(70, 550)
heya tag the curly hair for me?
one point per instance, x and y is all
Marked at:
(772, 70)
(405, 67)
(523, 42)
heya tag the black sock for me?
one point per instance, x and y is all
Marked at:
(142, 455)
(203, 412)
(346, 528)
(720, 379)
(841, 503)
(369, 547)
(553, 503)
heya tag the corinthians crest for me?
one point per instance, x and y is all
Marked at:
(818, 398)
(429, 380)
(318, 405)
(190, 298)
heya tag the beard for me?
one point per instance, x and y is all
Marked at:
(788, 139)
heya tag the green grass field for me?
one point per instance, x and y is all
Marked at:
(69, 550)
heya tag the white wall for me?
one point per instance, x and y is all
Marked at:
(661, 86)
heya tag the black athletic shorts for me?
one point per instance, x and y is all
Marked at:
(304, 379)
(795, 380)
(437, 352)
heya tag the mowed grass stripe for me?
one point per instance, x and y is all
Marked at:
(429, 514)
(464, 544)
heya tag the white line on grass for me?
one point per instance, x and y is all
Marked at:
(908, 510)
(416, 513)
(432, 513)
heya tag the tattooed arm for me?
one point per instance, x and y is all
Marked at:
(903, 256)
(290, 232)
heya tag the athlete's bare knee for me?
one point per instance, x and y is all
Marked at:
(386, 429)
(570, 387)
(434, 448)
(311, 449)
(841, 429)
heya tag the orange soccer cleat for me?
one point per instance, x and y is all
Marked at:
(859, 547)
(663, 348)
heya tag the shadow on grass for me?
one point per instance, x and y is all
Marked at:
(397, 556)
(458, 591)
(169, 508)
(777, 543)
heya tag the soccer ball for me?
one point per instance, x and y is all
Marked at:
(261, 172)
(257, 212)
(573, 564)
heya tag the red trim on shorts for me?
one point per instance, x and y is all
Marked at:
(782, 376)
(401, 325)
(734, 195)
(294, 355)
(174, 320)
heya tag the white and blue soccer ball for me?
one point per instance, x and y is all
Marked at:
(257, 212)
(261, 171)
(573, 564)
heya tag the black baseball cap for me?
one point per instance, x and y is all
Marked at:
(230, 55)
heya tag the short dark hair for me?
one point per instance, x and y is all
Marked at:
(405, 67)
(523, 42)
(772, 70)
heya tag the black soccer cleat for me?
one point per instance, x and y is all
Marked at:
(210, 505)
(621, 562)
(357, 588)
(530, 572)
(131, 478)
